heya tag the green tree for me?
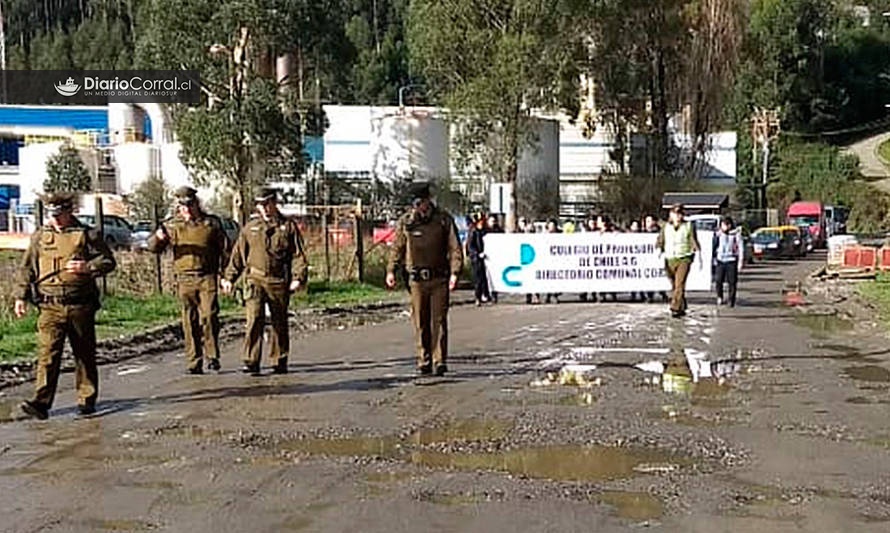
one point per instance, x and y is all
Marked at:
(151, 193)
(247, 129)
(492, 62)
(67, 172)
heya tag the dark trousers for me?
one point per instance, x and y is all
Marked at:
(200, 317)
(277, 296)
(678, 272)
(77, 323)
(728, 272)
(480, 280)
(429, 315)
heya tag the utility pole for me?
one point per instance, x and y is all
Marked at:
(765, 127)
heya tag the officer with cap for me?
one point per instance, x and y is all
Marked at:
(426, 245)
(199, 246)
(269, 253)
(57, 274)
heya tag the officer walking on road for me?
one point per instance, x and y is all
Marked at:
(57, 274)
(199, 246)
(426, 245)
(679, 244)
(269, 252)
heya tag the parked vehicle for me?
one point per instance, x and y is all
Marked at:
(142, 230)
(778, 242)
(809, 244)
(116, 231)
(836, 220)
(811, 215)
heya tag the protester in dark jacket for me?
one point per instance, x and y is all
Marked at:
(476, 252)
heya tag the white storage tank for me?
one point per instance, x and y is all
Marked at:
(136, 162)
(409, 143)
(126, 123)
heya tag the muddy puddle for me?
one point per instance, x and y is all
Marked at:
(868, 373)
(387, 447)
(558, 463)
(632, 505)
(823, 326)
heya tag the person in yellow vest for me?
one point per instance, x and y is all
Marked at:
(427, 247)
(200, 246)
(679, 245)
(58, 274)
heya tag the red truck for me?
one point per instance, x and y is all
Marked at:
(809, 215)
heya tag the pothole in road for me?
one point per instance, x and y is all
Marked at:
(557, 463)
(870, 373)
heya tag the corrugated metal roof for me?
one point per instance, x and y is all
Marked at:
(75, 117)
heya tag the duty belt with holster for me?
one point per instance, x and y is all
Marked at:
(426, 274)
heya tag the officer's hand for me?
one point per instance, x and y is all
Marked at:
(21, 307)
(452, 282)
(390, 280)
(226, 286)
(77, 266)
(295, 285)
(160, 234)
(482, 255)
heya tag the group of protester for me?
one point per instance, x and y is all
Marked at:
(677, 241)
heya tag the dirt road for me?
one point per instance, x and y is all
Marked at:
(753, 419)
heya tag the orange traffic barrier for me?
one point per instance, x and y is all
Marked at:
(860, 258)
(884, 262)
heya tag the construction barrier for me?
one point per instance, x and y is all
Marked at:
(836, 246)
(862, 258)
(885, 258)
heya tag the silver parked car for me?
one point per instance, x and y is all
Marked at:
(116, 231)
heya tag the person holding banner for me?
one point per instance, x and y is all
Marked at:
(476, 252)
(679, 245)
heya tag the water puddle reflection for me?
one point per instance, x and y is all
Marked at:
(823, 326)
(558, 463)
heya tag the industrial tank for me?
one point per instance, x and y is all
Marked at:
(126, 123)
(409, 144)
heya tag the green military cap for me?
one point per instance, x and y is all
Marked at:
(59, 200)
(266, 194)
(185, 195)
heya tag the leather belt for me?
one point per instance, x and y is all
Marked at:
(62, 300)
(426, 274)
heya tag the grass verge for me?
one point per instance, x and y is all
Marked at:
(123, 315)
(877, 291)
(884, 152)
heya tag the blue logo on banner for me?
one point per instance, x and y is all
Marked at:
(526, 257)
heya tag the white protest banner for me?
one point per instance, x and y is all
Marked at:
(586, 262)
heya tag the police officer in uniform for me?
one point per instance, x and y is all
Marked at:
(426, 245)
(199, 247)
(269, 252)
(58, 274)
